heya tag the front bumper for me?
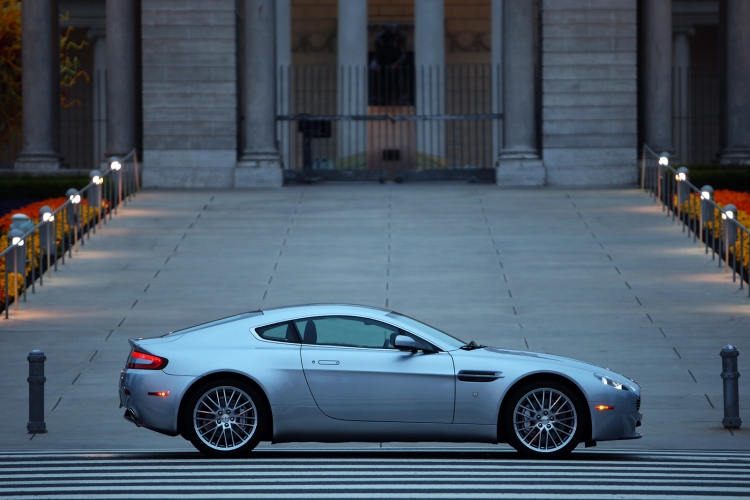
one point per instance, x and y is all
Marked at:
(615, 424)
(144, 408)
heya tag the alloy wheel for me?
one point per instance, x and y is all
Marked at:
(545, 420)
(225, 418)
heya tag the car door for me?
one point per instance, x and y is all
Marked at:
(355, 373)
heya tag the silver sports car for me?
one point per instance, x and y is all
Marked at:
(336, 373)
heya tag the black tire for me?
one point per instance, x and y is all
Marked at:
(224, 418)
(543, 419)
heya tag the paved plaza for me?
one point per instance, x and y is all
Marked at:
(598, 275)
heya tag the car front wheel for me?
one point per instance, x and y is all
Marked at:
(224, 418)
(543, 420)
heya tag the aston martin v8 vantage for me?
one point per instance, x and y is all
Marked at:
(337, 373)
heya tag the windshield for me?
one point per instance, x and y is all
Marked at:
(443, 338)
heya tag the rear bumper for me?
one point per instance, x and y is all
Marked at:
(158, 413)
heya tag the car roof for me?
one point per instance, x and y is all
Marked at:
(287, 312)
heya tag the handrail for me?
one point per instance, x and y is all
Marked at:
(664, 182)
(123, 183)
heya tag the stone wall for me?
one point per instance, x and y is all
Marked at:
(189, 93)
(589, 92)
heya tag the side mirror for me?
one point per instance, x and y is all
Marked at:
(404, 343)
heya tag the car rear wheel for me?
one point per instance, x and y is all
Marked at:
(224, 418)
(543, 419)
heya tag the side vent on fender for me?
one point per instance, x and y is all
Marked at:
(478, 376)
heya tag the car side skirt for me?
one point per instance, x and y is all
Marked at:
(308, 423)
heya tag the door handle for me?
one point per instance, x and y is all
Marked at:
(328, 362)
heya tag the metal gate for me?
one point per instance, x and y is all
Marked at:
(407, 123)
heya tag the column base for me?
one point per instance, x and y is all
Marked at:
(735, 156)
(520, 172)
(37, 162)
(266, 172)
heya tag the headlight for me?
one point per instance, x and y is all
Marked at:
(611, 382)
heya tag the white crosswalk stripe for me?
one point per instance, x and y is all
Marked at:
(404, 473)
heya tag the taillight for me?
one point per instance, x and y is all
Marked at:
(143, 361)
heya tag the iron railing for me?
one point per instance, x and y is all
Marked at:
(366, 122)
(699, 216)
(39, 248)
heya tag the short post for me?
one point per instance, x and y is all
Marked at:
(683, 192)
(663, 163)
(95, 195)
(116, 166)
(75, 198)
(47, 237)
(15, 262)
(730, 375)
(707, 211)
(36, 381)
(730, 232)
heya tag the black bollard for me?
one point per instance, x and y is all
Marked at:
(731, 387)
(36, 381)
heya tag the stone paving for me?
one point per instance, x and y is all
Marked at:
(598, 275)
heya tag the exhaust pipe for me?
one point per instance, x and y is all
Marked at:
(130, 417)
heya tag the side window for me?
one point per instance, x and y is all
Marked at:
(280, 332)
(346, 331)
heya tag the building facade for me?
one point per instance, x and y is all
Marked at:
(247, 93)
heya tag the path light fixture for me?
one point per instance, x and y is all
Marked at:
(707, 211)
(45, 214)
(682, 174)
(15, 237)
(683, 190)
(95, 194)
(730, 232)
(96, 177)
(664, 158)
(47, 244)
(116, 166)
(730, 212)
(75, 198)
(15, 262)
(73, 195)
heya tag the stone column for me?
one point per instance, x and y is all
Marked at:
(41, 80)
(429, 61)
(260, 163)
(520, 164)
(122, 60)
(56, 77)
(98, 82)
(681, 107)
(657, 74)
(352, 82)
(283, 74)
(737, 77)
(496, 67)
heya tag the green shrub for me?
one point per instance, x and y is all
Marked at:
(734, 177)
(38, 188)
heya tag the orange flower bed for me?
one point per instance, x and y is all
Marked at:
(15, 282)
(739, 199)
(31, 210)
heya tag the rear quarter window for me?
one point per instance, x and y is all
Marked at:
(280, 332)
